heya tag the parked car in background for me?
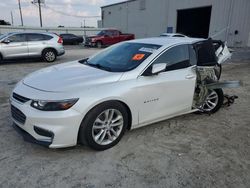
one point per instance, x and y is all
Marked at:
(107, 37)
(172, 35)
(69, 38)
(30, 45)
(94, 101)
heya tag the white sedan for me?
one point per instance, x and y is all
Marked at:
(172, 35)
(135, 83)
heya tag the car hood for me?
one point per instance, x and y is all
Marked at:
(68, 77)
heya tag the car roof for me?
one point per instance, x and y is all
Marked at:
(26, 32)
(168, 41)
(172, 34)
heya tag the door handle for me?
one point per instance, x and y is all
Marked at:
(190, 76)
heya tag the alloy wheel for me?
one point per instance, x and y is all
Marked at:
(50, 56)
(210, 102)
(107, 127)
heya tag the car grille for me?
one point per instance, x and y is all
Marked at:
(17, 115)
(20, 98)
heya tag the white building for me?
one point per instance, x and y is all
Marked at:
(227, 20)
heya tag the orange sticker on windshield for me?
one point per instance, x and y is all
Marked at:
(138, 57)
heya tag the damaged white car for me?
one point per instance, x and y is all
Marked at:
(94, 101)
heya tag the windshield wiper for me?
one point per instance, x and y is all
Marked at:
(84, 61)
(99, 66)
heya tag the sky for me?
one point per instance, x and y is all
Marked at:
(53, 12)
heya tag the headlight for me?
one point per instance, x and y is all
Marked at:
(53, 105)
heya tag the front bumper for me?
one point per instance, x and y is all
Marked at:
(90, 44)
(29, 138)
(55, 129)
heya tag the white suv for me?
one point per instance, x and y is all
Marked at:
(23, 45)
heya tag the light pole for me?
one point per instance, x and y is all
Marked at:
(40, 13)
(11, 15)
(84, 27)
(21, 16)
(39, 8)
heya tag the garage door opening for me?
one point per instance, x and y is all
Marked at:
(194, 22)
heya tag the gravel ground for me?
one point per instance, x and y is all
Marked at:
(186, 151)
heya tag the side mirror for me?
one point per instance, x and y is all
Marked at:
(6, 41)
(158, 68)
(106, 36)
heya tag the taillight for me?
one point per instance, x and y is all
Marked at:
(60, 40)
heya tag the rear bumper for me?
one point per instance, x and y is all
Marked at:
(61, 53)
(60, 50)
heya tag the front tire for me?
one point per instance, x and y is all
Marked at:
(213, 101)
(99, 44)
(104, 126)
(49, 55)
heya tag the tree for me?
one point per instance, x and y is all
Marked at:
(3, 22)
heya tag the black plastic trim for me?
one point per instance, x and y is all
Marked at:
(18, 115)
(20, 98)
(43, 132)
(28, 138)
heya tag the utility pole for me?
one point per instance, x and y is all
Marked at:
(84, 27)
(21, 16)
(40, 13)
(11, 15)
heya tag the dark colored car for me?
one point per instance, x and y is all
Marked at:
(108, 37)
(69, 38)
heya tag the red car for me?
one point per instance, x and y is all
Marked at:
(107, 37)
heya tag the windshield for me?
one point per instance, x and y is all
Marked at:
(3, 36)
(122, 57)
(164, 35)
(101, 33)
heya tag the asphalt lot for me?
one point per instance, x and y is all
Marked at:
(187, 151)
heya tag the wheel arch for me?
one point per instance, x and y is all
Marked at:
(99, 41)
(50, 48)
(117, 100)
(114, 100)
(129, 114)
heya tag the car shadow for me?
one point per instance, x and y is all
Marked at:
(22, 61)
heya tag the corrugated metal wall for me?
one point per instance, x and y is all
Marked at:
(128, 17)
(227, 16)
(239, 20)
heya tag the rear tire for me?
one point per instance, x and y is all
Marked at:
(1, 58)
(104, 125)
(213, 101)
(49, 55)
